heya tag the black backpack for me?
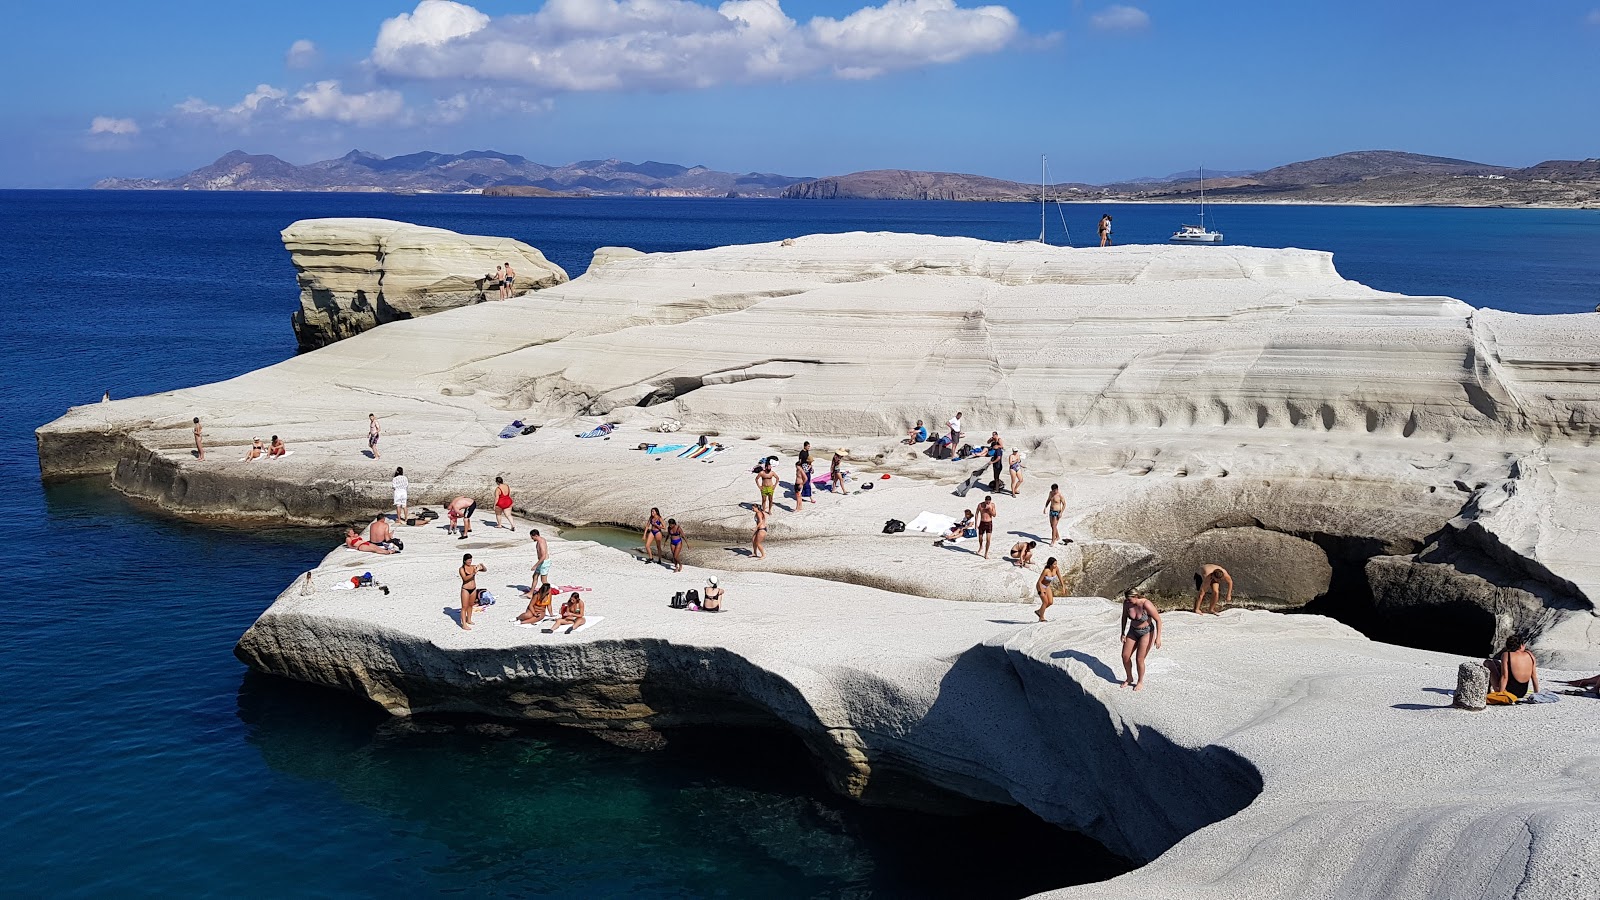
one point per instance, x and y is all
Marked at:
(693, 599)
(678, 602)
(893, 526)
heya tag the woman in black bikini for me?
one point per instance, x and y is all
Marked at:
(759, 539)
(652, 535)
(675, 537)
(469, 588)
(1141, 624)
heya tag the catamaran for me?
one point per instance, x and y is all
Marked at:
(1197, 234)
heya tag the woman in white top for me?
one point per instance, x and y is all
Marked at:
(401, 486)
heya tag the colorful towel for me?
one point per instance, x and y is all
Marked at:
(571, 589)
(599, 431)
(669, 448)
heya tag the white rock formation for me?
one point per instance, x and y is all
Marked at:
(1269, 756)
(356, 274)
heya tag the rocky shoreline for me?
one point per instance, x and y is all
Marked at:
(1424, 461)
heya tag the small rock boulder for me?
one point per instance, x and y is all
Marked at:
(1472, 686)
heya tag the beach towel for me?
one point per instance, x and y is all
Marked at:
(700, 451)
(669, 448)
(599, 431)
(512, 430)
(589, 622)
(931, 523)
(688, 450)
(1542, 697)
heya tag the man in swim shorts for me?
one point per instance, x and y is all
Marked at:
(767, 483)
(986, 514)
(460, 511)
(1054, 505)
(1210, 580)
(541, 566)
(372, 434)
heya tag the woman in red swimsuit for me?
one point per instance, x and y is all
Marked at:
(502, 504)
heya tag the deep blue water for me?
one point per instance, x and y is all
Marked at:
(137, 757)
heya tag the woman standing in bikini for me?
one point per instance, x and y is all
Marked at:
(469, 588)
(1140, 625)
(675, 537)
(759, 539)
(1046, 586)
(652, 535)
(502, 504)
(199, 447)
(1016, 471)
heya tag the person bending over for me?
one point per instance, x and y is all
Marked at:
(460, 511)
(1210, 580)
(1021, 554)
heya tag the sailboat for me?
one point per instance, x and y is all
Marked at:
(1044, 180)
(1197, 234)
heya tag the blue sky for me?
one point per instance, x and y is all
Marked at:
(811, 87)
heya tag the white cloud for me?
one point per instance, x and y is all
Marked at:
(302, 55)
(109, 125)
(600, 45)
(1120, 18)
(327, 100)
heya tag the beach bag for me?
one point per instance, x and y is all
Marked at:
(678, 602)
(893, 526)
(693, 599)
(1500, 698)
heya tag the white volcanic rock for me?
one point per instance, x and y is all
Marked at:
(1183, 396)
(356, 274)
(1269, 756)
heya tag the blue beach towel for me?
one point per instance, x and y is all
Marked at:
(599, 431)
(670, 448)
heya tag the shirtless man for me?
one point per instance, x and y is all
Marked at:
(986, 513)
(469, 588)
(541, 566)
(461, 510)
(354, 540)
(1054, 506)
(1210, 580)
(380, 532)
(767, 484)
(373, 433)
(1022, 553)
(500, 280)
(276, 448)
(508, 286)
(199, 447)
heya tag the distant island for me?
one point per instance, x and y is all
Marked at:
(1386, 177)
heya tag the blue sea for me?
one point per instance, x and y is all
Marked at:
(139, 758)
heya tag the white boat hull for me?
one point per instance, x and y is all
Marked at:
(1198, 237)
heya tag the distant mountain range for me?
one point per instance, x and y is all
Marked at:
(479, 170)
(1365, 176)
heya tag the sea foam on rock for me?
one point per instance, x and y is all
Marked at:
(356, 274)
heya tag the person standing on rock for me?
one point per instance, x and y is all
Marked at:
(469, 588)
(986, 514)
(1015, 466)
(955, 432)
(767, 484)
(758, 540)
(401, 488)
(679, 543)
(1105, 230)
(802, 477)
(508, 286)
(1054, 506)
(541, 565)
(199, 445)
(1210, 580)
(373, 434)
(1140, 627)
(502, 504)
(1046, 586)
(997, 453)
(500, 282)
(653, 535)
(461, 510)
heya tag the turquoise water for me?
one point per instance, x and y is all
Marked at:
(138, 758)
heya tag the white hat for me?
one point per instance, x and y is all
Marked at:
(712, 580)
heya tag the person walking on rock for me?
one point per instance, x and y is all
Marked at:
(508, 286)
(1210, 580)
(199, 445)
(541, 565)
(1140, 627)
(986, 514)
(402, 487)
(1046, 586)
(373, 434)
(1105, 230)
(1054, 506)
(679, 543)
(500, 281)
(653, 536)
(502, 504)
(469, 588)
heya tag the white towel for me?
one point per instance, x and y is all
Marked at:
(931, 523)
(589, 622)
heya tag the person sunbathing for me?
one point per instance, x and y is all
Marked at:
(1592, 682)
(276, 448)
(571, 615)
(354, 540)
(958, 530)
(255, 451)
(1022, 553)
(1514, 670)
(382, 533)
(712, 597)
(538, 606)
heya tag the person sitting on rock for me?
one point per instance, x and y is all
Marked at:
(1022, 554)
(1514, 670)
(354, 540)
(382, 534)
(1210, 580)
(711, 599)
(572, 617)
(255, 451)
(917, 434)
(958, 530)
(538, 606)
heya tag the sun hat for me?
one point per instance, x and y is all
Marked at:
(711, 580)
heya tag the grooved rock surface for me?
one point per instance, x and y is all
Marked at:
(1268, 757)
(357, 274)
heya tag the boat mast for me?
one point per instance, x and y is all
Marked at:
(1202, 198)
(1041, 197)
